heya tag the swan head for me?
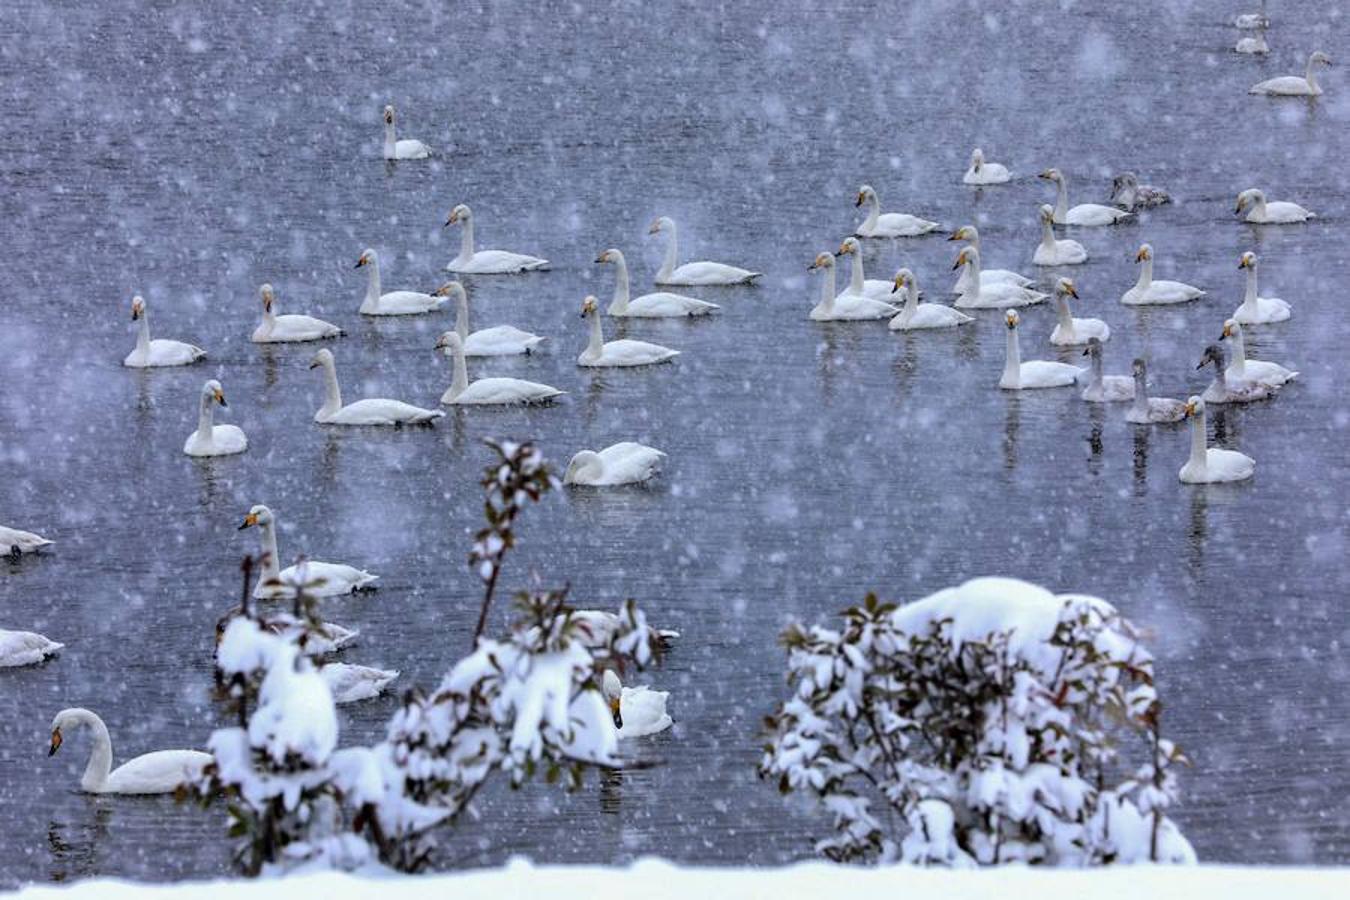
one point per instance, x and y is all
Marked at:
(1231, 329)
(367, 258)
(579, 461)
(268, 297)
(976, 159)
(1213, 354)
(612, 688)
(1319, 57)
(903, 278)
(1145, 252)
(850, 245)
(968, 255)
(965, 233)
(610, 256)
(1093, 348)
(865, 193)
(1066, 287)
(1247, 261)
(1047, 213)
(259, 515)
(1247, 198)
(662, 223)
(452, 289)
(823, 261)
(1011, 319)
(323, 358)
(460, 213)
(1127, 179)
(137, 307)
(449, 340)
(1195, 407)
(67, 718)
(213, 391)
(389, 115)
(589, 306)
(1054, 175)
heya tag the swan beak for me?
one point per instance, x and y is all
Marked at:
(1242, 263)
(955, 236)
(1140, 256)
(1201, 363)
(56, 742)
(454, 217)
(899, 283)
(960, 261)
(602, 258)
(220, 398)
(1071, 291)
(656, 228)
(614, 710)
(359, 263)
(812, 267)
(249, 521)
(1046, 175)
(135, 314)
(859, 202)
(1190, 409)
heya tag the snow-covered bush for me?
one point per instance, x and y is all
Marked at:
(988, 723)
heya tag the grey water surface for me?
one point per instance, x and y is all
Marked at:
(192, 152)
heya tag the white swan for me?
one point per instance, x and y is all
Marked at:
(1147, 292)
(1020, 376)
(291, 328)
(888, 225)
(1105, 388)
(160, 772)
(375, 411)
(1243, 369)
(1146, 410)
(845, 307)
(210, 439)
(1052, 251)
(1128, 193)
(1083, 213)
(638, 712)
(980, 294)
(657, 305)
(499, 340)
(1069, 331)
(1255, 45)
(1229, 390)
(161, 351)
(394, 303)
(971, 234)
(1293, 85)
(1210, 465)
(15, 541)
(485, 262)
(1252, 21)
(350, 683)
(626, 462)
(487, 391)
(913, 317)
(858, 283)
(1273, 212)
(25, 648)
(404, 149)
(621, 353)
(694, 273)
(319, 579)
(1256, 310)
(981, 172)
(600, 626)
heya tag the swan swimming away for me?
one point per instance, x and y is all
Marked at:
(1128, 193)
(499, 340)
(394, 303)
(25, 648)
(658, 305)
(14, 541)
(888, 225)
(845, 307)
(374, 411)
(1105, 388)
(289, 329)
(694, 273)
(622, 353)
(487, 391)
(1228, 390)
(913, 317)
(1274, 212)
(1256, 310)
(350, 683)
(1146, 410)
(1052, 251)
(1084, 213)
(160, 772)
(1254, 45)
(1147, 292)
(320, 579)
(210, 439)
(980, 294)
(485, 262)
(858, 283)
(1243, 369)
(160, 352)
(626, 462)
(987, 276)
(1294, 85)
(1211, 465)
(638, 712)
(404, 149)
(1071, 332)
(981, 172)
(1020, 376)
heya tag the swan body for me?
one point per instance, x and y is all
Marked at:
(980, 294)
(600, 353)
(658, 305)
(1105, 388)
(626, 462)
(694, 273)
(25, 648)
(160, 772)
(1128, 193)
(374, 411)
(845, 307)
(289, 329)
(913, 317)
(1070, 331)
(404, 149)
(981, 172)
(1256, 310)
(1086, 214)
(1252, 21)
(1294, 85)
(499, 340)
(1228, 390)
(393, 303)
(1054, 252)
(987, 276)
(487, 391)
(1020, 376)
(1211, 465)
(320, 579)
(1253, 46)
(858, 283)
(638, 712)
(1146, 410)
(601, 625)
(1272, 212)
(15, 541)
(350, 683)
(485, 262)
(1243, 369)
(210, 439)
(160, 352)
(888, 225)
(1147, 292)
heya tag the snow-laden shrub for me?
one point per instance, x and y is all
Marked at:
(988, 723)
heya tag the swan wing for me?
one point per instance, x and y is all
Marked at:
(502, 391)
(378, 411)
(1095, 214)
(663, 304)
(350, 683)
(295, 327)
(25, 648)
(1046, 373)
(159, 772)
(708, 273)
(643, 711)
(1228, 465)
(497, 262)
(409, 148)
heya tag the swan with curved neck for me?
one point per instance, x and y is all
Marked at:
(1255, 310)
(1243, 369)
(913, 317)
(990, 295)
(626, 462)
(1293, 85)
(971, 235)
(858, 283)
(694, 273)
(1129, 194)
(210, 439)
(159, 352)
(25, 648)
(1229, 390)
(845, 306)
(374, 411)
(981, 172)
(321, 579)
(293, 328)
(1019, 376)
(1272, 212)
(160, 772)
(1054, 252)
(485, 262)
(404, 149)
(1211, 465)
(1147, 292)
(888, 225)
(393, 303)
(656, 305)
(600, 353)
(15, 541)
(638, 712)
(1070, 331)
(1146, 410)
(499, 340)
(1084, 214)
(487, 391)
(1105, 388)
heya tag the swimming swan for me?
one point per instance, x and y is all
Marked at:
(1146, 410)
(161, 772)
(25, 648)
(1293, 85)
(888, 225)
(858, 283)
(657, 305)
(1053, 252)
(499, 340)
(1243, 369)
(626, 462)
(350, 683)
(1274, 212)
(638, 712)
(362, 412)
(971, 234)
(980, 294)
(486, 391)
(1019, 376)
(845, 307)
(1211, 465)
(1083, 213)
(210, 439)
(159, 352)
(1105, 388)
(622, 353)
(15, 541)
(694, 273)
(1128, 193)
(485, 262)
(913, 317)
(1256, 310)
(319, 579)
(1147, 292)
(291, 328)
(1071, 332)
(981, 172)
(404, 149)
(394, 303)
(1224, 389)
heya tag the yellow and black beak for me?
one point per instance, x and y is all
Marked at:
(1242, 263)
(960, 261)
(249, 521)
(135, 313)
(56, 742)
(899, 283)
(955, 236)
(614, 711)
(1071, 291)
(359, 263)
(220, 398)
(1141, 256)
(862, 198)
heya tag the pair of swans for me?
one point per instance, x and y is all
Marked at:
(1256, 310)
(1086, 214)
(499, 340)
(694, 273)
(486, 391)
(847, 306)
(404, 149)
(394, 303)
(888, 225)
(1103, 388)
(1021, 376)
(657, 305)
(600, 353)
(320, 579)
(982, 294)
(25, 648)
(160, 772)
(1129, 194)
(638, 712)
(292, 328)
(964, 281)
(626, 462)
(210, 439)
(372, 411)
(485, 262)
(1070, 331)
(1243, 369)
(1052, 251)
(913, 317)
(1211, 465)
(1146, 410)
(1294, 85)
(160, 352)
(981, 172)
(1147, 292)
(15, 541)
(1272, 212)
(1228, 389)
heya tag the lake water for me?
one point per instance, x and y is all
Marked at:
(191, 155)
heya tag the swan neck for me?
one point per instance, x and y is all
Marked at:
(1249, 296)
(1311, 74)
(911, 296)
(332, 393)
(827, 289)
(1198, 440)
(462, 318)
(1097, 365)
(857, 282)
(373, 284)
(1062, 313)
(1047, 235)
(873, 213)
(596, 347)
(1239, 353)
(672, 253)
(143, 333)
(1145, 274)
(100, 757)
(973, 269)
(206, 417)
(460, 382)
(271, 564)
(1013, 367)
(1140, 393)
(1061, 200)
(466, 240)
(620, 304)
(390, 142)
